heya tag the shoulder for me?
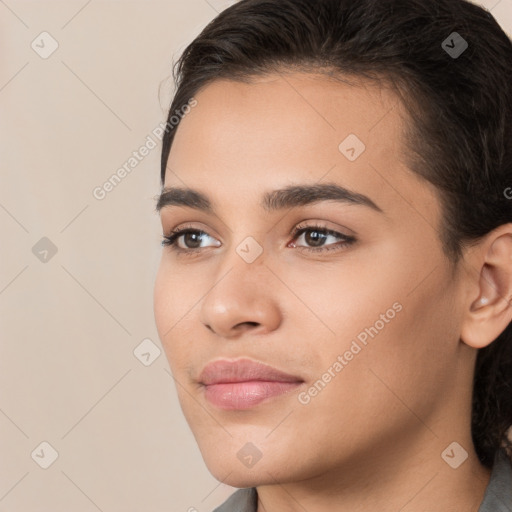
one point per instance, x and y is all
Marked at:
(243, 500)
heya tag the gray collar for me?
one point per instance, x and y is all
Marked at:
(243, 500)
(497, 497)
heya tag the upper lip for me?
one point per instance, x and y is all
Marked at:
(242, 370)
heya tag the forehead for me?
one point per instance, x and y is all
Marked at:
(243, 138)
(282, 112)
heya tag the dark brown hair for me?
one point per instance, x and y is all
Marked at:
(460, 105)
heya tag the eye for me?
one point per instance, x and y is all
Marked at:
(189, 241)
(317, 236)
(191, 238)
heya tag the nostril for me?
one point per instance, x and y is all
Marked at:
(255, 324)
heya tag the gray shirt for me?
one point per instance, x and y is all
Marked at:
(497, 497)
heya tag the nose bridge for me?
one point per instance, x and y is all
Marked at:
(241, 293)
(246, 257)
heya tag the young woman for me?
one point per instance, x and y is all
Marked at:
(334, 294)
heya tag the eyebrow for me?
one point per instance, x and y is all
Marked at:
(289, 197)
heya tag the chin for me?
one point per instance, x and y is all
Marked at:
(231, 471)
(240, 481)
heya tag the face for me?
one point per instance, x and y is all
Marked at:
(349, 298)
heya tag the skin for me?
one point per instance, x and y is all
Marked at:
(372, 438)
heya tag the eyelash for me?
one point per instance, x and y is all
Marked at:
(171, 239)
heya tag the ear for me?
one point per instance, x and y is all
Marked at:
(489, 309)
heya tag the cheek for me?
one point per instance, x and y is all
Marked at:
(379, 313)
(170, 311)
(410, 359)
(340, 301)
(162, 306)
(175, 295)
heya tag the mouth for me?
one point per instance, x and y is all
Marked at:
(242, 384)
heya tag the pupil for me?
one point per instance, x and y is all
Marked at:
(317, 240)
(191, 245)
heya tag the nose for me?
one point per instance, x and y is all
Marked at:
(242, 298)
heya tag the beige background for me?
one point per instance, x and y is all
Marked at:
(70, 321)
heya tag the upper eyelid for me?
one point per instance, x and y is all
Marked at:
(171, 215)
(298, 225)
(297, 231)
(184, 226)
(296, 228)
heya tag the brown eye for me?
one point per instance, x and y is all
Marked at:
(315, 238)
(192, 239)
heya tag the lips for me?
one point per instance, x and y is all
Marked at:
(243, 383)
(242, 370)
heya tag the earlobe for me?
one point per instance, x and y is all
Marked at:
(489, 314)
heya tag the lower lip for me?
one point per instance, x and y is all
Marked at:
(244, 395)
